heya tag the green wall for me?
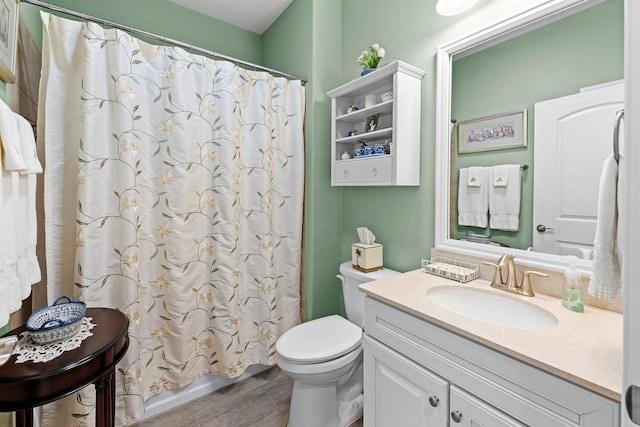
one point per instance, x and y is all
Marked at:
(163, 18)
(306, 40)
(321, 39)
(557, 60)
(410, 30)
(402, 218)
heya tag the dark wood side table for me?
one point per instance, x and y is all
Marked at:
(24, 386)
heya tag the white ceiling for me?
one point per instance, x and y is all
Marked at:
(252, 15)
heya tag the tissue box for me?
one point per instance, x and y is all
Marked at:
(366, 258)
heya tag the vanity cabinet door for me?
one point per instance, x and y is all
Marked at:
(469, 411)
(399, 392)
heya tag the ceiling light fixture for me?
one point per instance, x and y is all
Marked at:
(454, 7)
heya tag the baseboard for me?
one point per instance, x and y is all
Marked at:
(170, 399)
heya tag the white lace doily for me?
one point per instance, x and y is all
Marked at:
(27, 350)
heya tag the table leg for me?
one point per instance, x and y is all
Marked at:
(24, 418)
(105, 400)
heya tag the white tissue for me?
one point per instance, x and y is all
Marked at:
(366, 236)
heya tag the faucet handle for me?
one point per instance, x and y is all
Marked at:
(497, 275)
(526, 282)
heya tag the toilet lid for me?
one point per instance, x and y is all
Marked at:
(319, 340)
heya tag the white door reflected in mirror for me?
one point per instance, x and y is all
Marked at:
(573, 137)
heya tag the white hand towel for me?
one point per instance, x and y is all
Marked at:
(7, 271)
(28, 266)
(11, 226)
(472, 201)
(504, 201)
(501, 175)
(606, 277)
(28, 144)
(475, 176)
(12, 159)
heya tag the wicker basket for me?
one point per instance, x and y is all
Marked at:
(57, 322)
(451, 269)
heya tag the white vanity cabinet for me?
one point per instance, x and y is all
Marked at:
(421, 374)
(399, 392)
(357, 104)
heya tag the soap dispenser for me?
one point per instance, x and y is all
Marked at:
(571, 294)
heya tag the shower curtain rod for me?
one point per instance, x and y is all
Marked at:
(163, 39)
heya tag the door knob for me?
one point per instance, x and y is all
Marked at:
(541, 228)
(456, 416)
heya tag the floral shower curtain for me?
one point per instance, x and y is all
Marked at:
(173, 192)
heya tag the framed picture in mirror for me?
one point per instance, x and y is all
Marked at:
(8, 39)
(497, 132)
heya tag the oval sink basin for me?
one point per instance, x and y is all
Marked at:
(489, 307)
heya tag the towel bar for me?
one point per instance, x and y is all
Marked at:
(616, 134)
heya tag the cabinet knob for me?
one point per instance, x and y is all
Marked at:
(456, 416)
(433, 401)
(346, 172)
(375, 171)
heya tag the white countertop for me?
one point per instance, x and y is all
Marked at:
(584, 348)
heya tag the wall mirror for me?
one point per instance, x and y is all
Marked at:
(466, 92)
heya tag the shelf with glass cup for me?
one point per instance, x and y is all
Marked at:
(382, 108)
(367, 136)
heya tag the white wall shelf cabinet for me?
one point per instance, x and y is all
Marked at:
(398, 124)
(426, 375)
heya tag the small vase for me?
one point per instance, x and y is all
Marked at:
(367, 71)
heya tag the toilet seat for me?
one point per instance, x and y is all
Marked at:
(319, 340)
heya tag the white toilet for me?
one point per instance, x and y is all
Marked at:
(324, 358)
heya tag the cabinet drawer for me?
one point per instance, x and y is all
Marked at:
(469, 411)
(364, 171)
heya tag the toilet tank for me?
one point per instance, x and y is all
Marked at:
(353, 298)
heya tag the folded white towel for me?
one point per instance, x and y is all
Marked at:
(19, 267)
(12, 159)
(7, 258)
(27, 205)
(10, 268)
(501, 175)
(472, 201)
(606, 277)
(504, 202)
(28, 144)
(475, 176)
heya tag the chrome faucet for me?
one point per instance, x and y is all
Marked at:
(510, 284)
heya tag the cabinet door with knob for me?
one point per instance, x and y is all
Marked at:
(468, 411)
(399, 392)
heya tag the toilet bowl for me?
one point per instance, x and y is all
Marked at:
(324, 358)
